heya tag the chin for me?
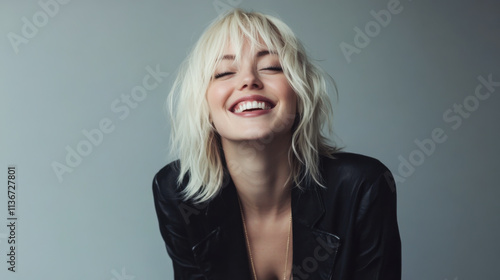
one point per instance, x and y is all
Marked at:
(260, 134)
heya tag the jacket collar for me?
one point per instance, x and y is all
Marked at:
(222, 252)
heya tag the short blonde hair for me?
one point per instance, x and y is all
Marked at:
(194, 139)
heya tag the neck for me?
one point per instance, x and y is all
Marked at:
(260, 172)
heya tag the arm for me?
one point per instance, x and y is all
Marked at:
(377, 234)
(174, 233)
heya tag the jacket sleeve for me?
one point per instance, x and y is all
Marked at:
(173, 230)
(379, 245)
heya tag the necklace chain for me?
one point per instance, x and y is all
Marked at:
(250, 249)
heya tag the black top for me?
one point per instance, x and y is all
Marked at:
(345, 231)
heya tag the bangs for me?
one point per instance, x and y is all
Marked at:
(236, 29)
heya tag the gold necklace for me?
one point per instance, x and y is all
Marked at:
(250, 249)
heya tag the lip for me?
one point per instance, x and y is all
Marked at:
(252, 98)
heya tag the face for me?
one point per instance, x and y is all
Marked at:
(251, 99)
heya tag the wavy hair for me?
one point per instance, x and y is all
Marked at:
(194, 139)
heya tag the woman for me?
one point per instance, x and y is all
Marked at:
(258, 193)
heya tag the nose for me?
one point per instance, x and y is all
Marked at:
(249, 80)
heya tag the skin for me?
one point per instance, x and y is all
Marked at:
(256, 149)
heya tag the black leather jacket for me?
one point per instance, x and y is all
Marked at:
(345, 231)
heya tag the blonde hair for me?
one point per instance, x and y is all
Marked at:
(195, 140)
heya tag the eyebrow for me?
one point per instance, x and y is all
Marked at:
(259, 54)
(228, 57)
(265, 52)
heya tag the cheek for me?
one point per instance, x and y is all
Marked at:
(292, 103)
(216, 97)
(289, 96)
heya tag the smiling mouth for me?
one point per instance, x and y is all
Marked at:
(247, 106)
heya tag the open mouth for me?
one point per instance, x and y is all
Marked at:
(252, 103)
(247, 106)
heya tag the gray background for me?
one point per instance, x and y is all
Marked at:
(99, 222)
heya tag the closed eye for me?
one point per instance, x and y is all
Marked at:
(274, 68)
(220, 75)
(271, 68)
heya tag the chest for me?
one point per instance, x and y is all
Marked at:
(271, 250)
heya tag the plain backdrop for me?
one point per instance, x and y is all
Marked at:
(410, 95)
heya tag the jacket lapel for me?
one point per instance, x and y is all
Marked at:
(314, 250)
(222, 254)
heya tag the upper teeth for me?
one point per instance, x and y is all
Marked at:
(248, 105)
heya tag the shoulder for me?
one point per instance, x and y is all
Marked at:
(353, 163)
(171, 207)
(354, 170)
(169, 172)
(165, 182)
